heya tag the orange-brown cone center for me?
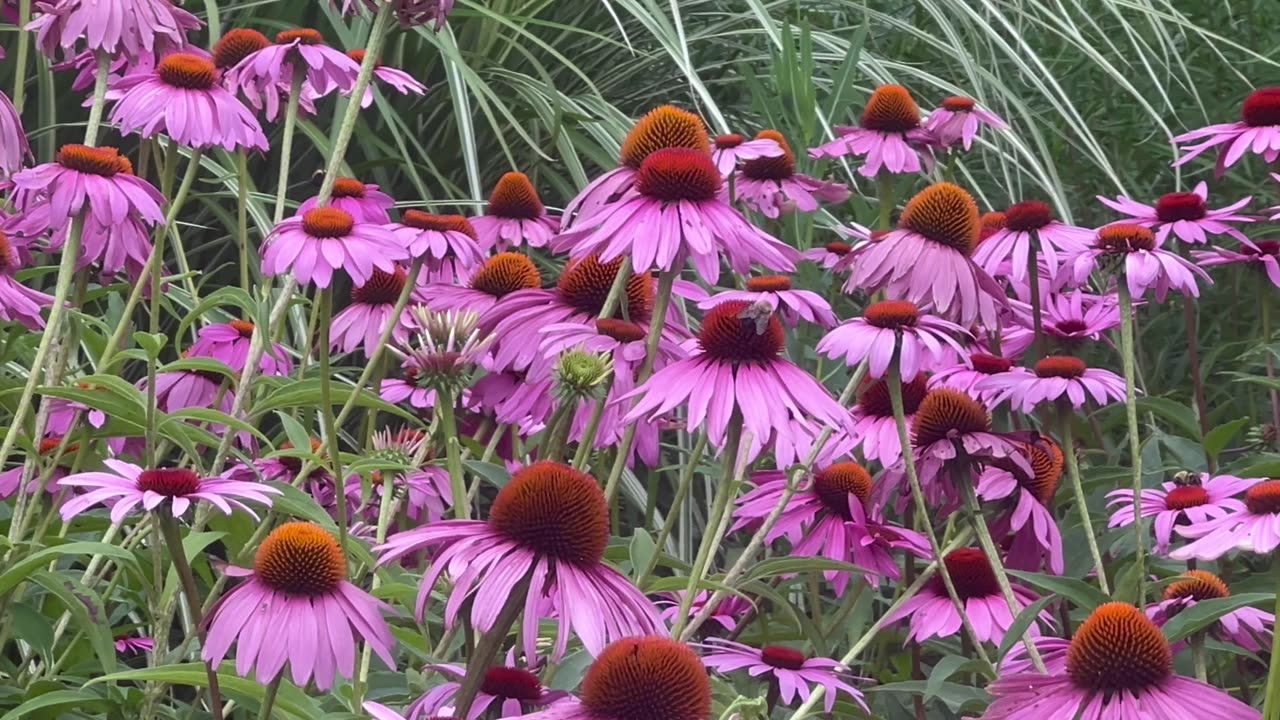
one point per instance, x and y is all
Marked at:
(989, 364)
(945, 214)
(1118, 648)
(103, 161)
(1263, 498)
(956, 103)
(991, 222)
(1060, 366)
(515, 197)
(440, 223)
(554, 510)
(237, 45)
(1186, 496)
(620, 330)
(1262, 107)
(506, 273)
(730, 334)
(946, 413)
(327, 222)
(875, 401)
(771, 168)
(190, 72)
(1180, 206)
(665, 126)
(382, 288)
(649, 678)
(304, 36)
(891, 109)
(300, 558)
(345, 187)
(835, 483)
(1197, 585)
(675, 174)
(1123, 238)
(732, 140)
(244, 327)
(892, 314)
(769, 283)
(585, 285)
(838, 247)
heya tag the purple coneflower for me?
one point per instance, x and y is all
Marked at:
(312, 245)
(365, 203)
(927, 259)
(18, 303)
(426, 490)
(180, 389)
(395, 78)
(12, 478)
(775, 292)
(362, 321)
(772, 186)
(1252, 529)
(726, 614)
(447, 244)
(286, 464)
(958, 119)
(1026, 225)
(134, 644)
(889, 135)
(874, 429)
(729, 150)
(235, 45)
(828, 255)
(181, 98)
(639, 678)
(931, 613)
(443, 350)
(549, 524)
(1117, 665)
(129, 486)
(96, 180)
(1055, 377)
(515, 216)
(228, 343)
(499, 276)
(13, 139)
(265, 75)
(297, 607)
(1263, 253)
(1072, 317)
(1184, 214)
(1189, 500)
(788, 669)
(1257, 131)
(1026, 512)
(923, 342)
(1133, 249)
(112, 247)
(134, 28)
(508, 691)
(736, 364)
(1250, 628)
(965, 376)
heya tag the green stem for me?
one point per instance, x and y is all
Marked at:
(178, 554)
(242, 217)
(1077, 489)
(488, 646)
(1135, 447)
(673, 512)
(286, 140)
(166, 182)
(1198, 657)
(1037, 323)
(453, 458)
(588, 439)
(557, 430)
(269, 700)
(99, 97)
(1266, 294)
(326, 410)
(884, 191)
(1271, 706)
(24, 48)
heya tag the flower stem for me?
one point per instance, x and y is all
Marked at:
(1271, 706)
(588, 439)
(326, 414)
(452, 449)
(166, 182)
(99, 96)
(1265, 299)
(884, 191)
(673, 512)
(242, 217)
(178, 554)
(488, 646)
(1135, 448)
(269, 699)
(24, 47)
(615, 295)
(1077, 489)
(1037, 322)
(286, 139)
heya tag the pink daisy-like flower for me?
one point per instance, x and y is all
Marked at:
(1117, 666)
(827, 256)
(235, 45)
(1189, 500)
(1257, 131)
(11, 479)
(1255, 528)
(831, 518)
(285, 465)
(1026, 511)
(1265, 254)
(889, 135)
(772, 186)
(228, 343)
(776, 293)
(952, 431)
(13, 139)
(1250, 628)
(394, 78)
(1026, 225)
(134, 644)
(97, 181)
(790, 670)
(312, 245)
(265, 76)
(958, 119)
(677, 213)
(1145, 265)
(932, 614)
(874, 429)
(549, 524)
(737, 366)
(923, 342)
(426, 491)
(927, 259)
(515, 216)
(1184, 214)
(113, 247)
(297, 607)
(499, 276)
(181, 98)
(18, 303)
(1054, 378)
(128, 486)
(966, 376)
(1072, 317)
(726, 614)
(507, 690)
(447, 243)
(179, 389)
(134, 28)
(365, 203)
(360, 324)
(729, 150)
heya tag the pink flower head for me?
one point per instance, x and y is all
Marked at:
(927, 259)
(507, 690)
(1072, 317)
(772, 186)
(677, 213)
(1257, 131)
(134, 28)
(499, 276)
(549, 524)
(791, 669)
(874, 429)
(297, 607)
(180, 389)
(182, 99)
(951, 432)
(932, 614)
(958, 119)
(265, 76)
(447, 243)
(1263, 254)
(128, 486)
(831, 518)
(726, 614)
(775, 292)
(1056, 377)
(1191, 499)
(360, 324)
(365, 203)
(1133, 250)
(1184, 214)
(112, 247)
(97, 181)
(285, 465)
(1029, 224)
(1026, 506)
(11, 479)
(923, 342)
(228, 343)
(1117, 665)
(737, 366)
(827, 256)
(515, 216)
(889, 136)
(134, 644)
(966, 376)
(13, 139)
(1250, 628)
(394, 78)
(312, 245)
(18, 303)
(728, 151)
(1252, 529)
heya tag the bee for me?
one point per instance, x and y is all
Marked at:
(1186, 478)
(759, 312)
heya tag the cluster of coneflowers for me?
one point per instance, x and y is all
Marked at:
(571, 352)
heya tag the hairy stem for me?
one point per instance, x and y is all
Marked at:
(452, 450)
(1135, 446)
(173, 540)
(1077, 489)
(673, 512)
(326, 410)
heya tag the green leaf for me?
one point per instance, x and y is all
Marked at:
(1205, 612)
(290, 701)
(774, 567)
(1022, 622)
(1175, 412)
(152, 343)
(948, 666)
(642, 550)
(32, 628)
(1215, 441)
(954, 695)
(22, 569)
(213, 417)
(306, 393)
(51, 700)
(497, 475)
(1079, 592)
(86, 610)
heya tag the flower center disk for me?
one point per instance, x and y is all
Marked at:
(892, 314)
(585, 286)
(891, 109)
(103, 161)
(648, 678)
(1027, 215)
(665, 126)
(971, 574)
(554, 510)
(237, 45)
(838, 247)
(440, 223)
(1263, 498)
(675, 174)
(170, 482)
(874, 398)
(956, 103)
(620, 330)
(780, 656)
(1187, 496)
(382, 288)
(1197, 585)
(835, 483)
(989, 364)
(1118, 648)
(1180, 206)
(729, 333)
(771, 168)
(300, 558)
(945, 214)
(1124, 238)
(945, 413)
(191, 72)
(1262, 107)
(1060, 366)
(345, 187)
(304, 36)
(244, 327)
(1046, 467)
(512, 683)
(327, 222)
(506, 273)
(515, 197)
(732, 140)
(769, 283)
